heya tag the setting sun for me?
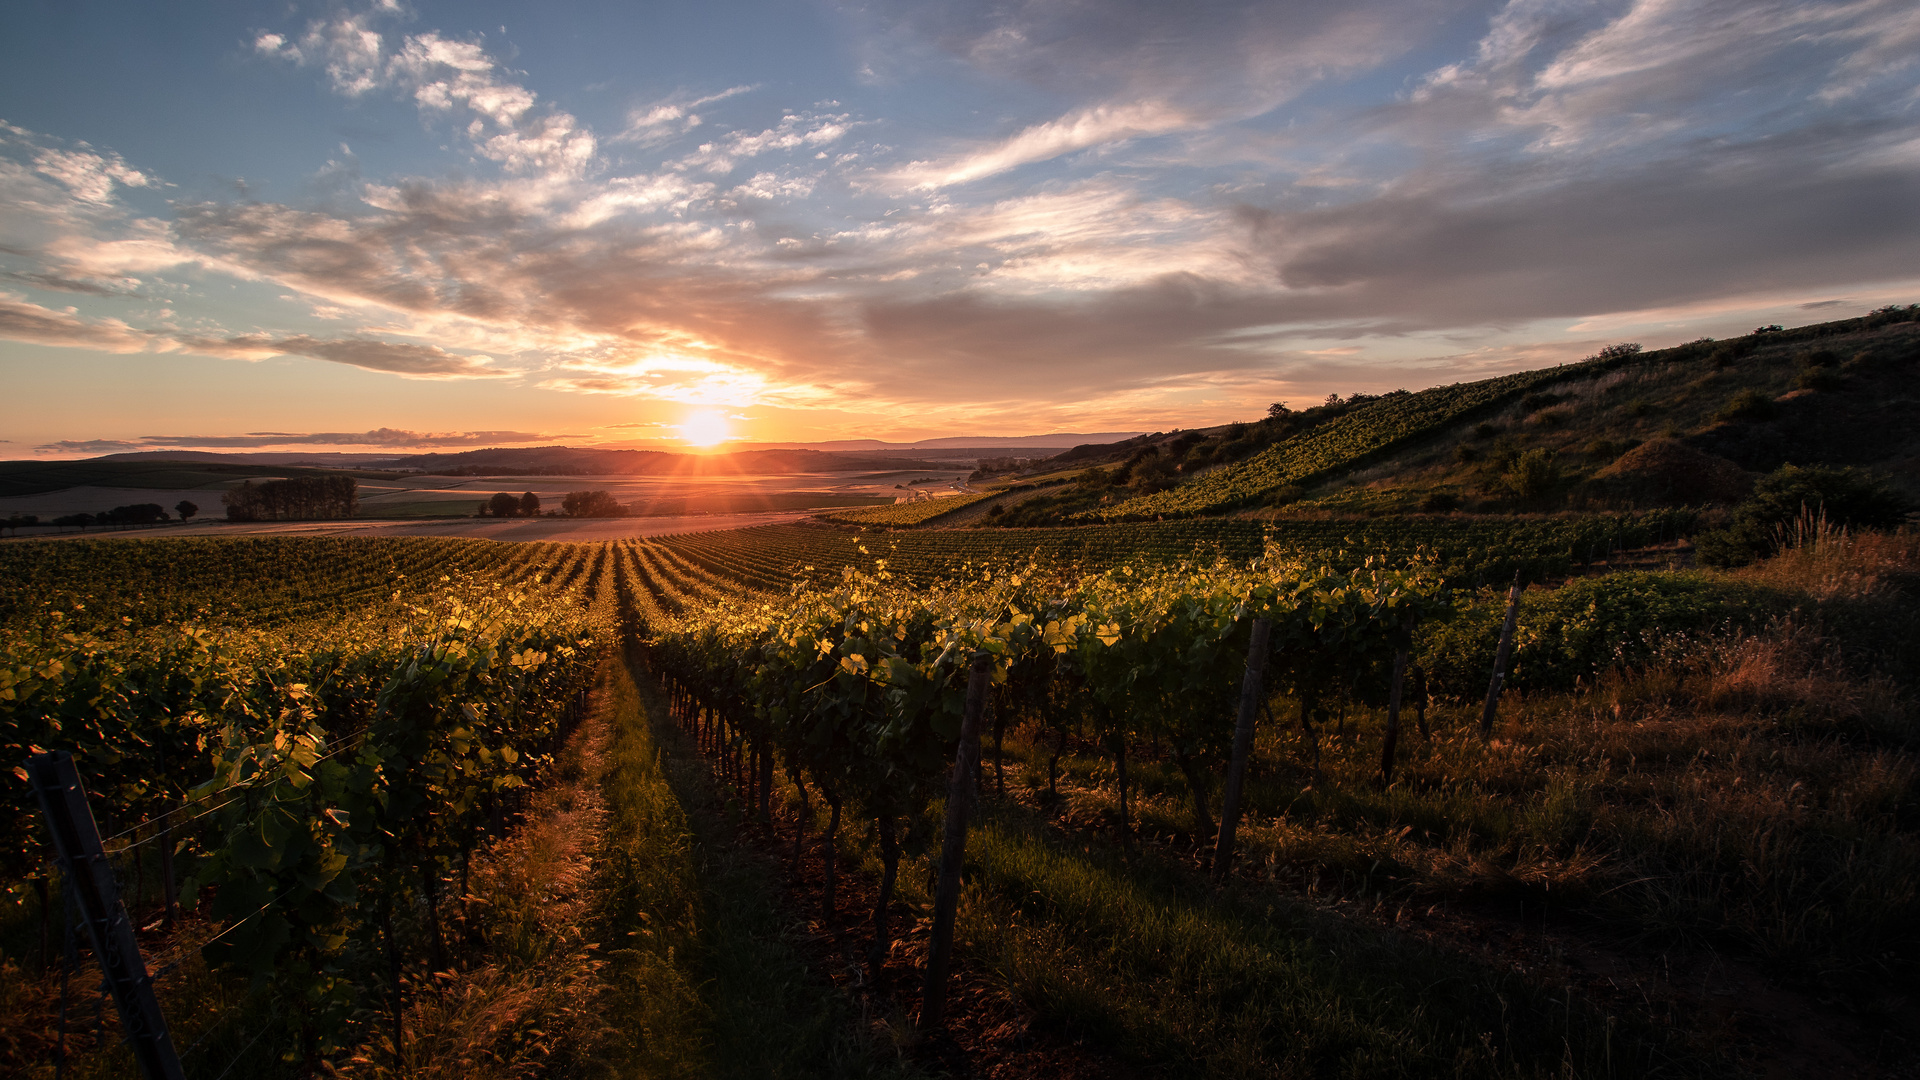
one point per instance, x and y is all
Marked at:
(704, 429)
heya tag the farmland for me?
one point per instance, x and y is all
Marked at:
(675, 794)
(1689, 789)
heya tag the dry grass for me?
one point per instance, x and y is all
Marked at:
(521, 1002)
(1752, 793)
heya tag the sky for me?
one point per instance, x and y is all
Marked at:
(415, 225)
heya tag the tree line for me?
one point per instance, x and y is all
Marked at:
(298, 499)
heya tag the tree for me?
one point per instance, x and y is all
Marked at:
(529, 505)
(300, 498)
(504, 505)
(591, 504)
(1277, 410)
(186, 509)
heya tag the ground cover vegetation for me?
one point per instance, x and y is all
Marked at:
(721, 858)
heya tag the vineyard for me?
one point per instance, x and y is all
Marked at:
(905, 514)
(1374, 429)
(320, 744)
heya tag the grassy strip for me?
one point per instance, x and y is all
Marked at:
(1743, 794)
(727, 959)
(1138, 954)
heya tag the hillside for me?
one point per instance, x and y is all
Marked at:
(1623, 430)
(38, 477)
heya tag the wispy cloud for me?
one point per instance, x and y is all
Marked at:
(1078, 130)
(378, 439)
(659, 121)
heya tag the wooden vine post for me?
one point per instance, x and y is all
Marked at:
(933, 1000)
(1251, 694)
(76, 840)
(1500, 657)
(1400, 657)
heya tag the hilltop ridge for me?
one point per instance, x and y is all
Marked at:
(1558, 438)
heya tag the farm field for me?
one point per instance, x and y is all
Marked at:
(418, 497)
(1684, 848)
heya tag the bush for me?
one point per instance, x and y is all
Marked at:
(1818, 377)
(1747, 405)
(1846, 498)
(1531, 475)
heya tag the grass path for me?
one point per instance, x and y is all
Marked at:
(708, 978)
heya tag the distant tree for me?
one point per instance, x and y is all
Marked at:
(300, 498)
(78, 521)
(185, 509)
(504, 505)
(529, 505)
(591, 504)
(484, 508)
(136, 514)
(16, 521)
(1332, 400)
(1621, 351)
(1277, 410)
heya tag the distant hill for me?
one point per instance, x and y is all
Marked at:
(39, 477)
(590, 461)
(327, 460)
(1559, 438)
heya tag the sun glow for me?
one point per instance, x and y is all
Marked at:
(704, 429)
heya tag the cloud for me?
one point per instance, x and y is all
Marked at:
(88, 175)
(1076, 131)
(382, 438)
(444, 77)
(22, 320)
(660, 121)
(398, 358)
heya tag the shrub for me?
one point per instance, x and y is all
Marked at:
(1846, 498)
(1818, 377)
(1747, 405)
(1531, 475)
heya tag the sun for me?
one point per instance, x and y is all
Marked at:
(704, 429)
